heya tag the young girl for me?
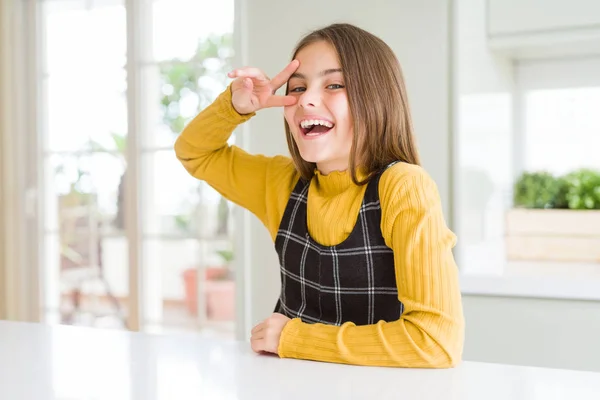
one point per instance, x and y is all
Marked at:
(367, 271)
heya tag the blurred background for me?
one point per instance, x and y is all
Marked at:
(97, 88)
(102, 227)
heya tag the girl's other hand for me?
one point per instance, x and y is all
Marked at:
(265, 336)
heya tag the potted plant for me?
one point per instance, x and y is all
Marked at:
(555, 218)
(220, 291)
(219, 286)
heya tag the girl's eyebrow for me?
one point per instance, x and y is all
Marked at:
(322, 73)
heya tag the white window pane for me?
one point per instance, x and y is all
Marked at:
(175, 203)
(179, 25)
(82, 39)
(92, 179)
(82, 108)
(562, 129)
(84, 92)
(484, 180)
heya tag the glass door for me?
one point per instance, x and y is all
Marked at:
(179, 52)
(83, 133)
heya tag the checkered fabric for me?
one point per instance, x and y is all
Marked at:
(352, 281)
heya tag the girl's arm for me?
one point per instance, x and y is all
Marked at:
(429, 334)
(251, 181)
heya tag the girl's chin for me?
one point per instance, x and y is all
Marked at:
(310, 157)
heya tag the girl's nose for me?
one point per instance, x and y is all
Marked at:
(310, 98)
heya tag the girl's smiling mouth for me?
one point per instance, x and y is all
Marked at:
(313, 126)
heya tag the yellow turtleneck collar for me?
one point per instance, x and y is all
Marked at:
(335, 182)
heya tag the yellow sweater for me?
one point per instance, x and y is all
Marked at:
(430, 331)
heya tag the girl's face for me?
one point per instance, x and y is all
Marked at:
(320, 121)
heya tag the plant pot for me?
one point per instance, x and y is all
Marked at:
(219, 293)
(553, 235)
(220, 300)
(190, 284)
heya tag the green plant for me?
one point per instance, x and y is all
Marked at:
(583, 189)
(183, 223)
(226, 255)
(195, 78)
(540, 190)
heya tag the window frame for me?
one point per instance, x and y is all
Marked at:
(551, 73)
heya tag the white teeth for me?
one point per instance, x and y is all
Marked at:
(307, 123)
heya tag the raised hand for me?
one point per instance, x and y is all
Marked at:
(252, 90)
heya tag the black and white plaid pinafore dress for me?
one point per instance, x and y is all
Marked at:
(352, 281)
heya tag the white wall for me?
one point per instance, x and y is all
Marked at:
(544, 333)
(417, 32)
(510, 17)
(526, 331)
(530, 29)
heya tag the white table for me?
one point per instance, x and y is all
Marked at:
(40, 362)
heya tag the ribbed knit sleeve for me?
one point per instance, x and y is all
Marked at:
(254, 182)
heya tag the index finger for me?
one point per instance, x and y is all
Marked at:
(281, 78)
(248, 72)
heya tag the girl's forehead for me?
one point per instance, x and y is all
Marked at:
(317, 52)
(317, 60)
(317, 74)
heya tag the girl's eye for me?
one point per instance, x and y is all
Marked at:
(299, 89)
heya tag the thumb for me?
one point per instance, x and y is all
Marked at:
(241, 95)
(247, 84)
(242, 85)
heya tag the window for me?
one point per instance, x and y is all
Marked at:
(110, 114)
(528, 172)
(561, 123)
